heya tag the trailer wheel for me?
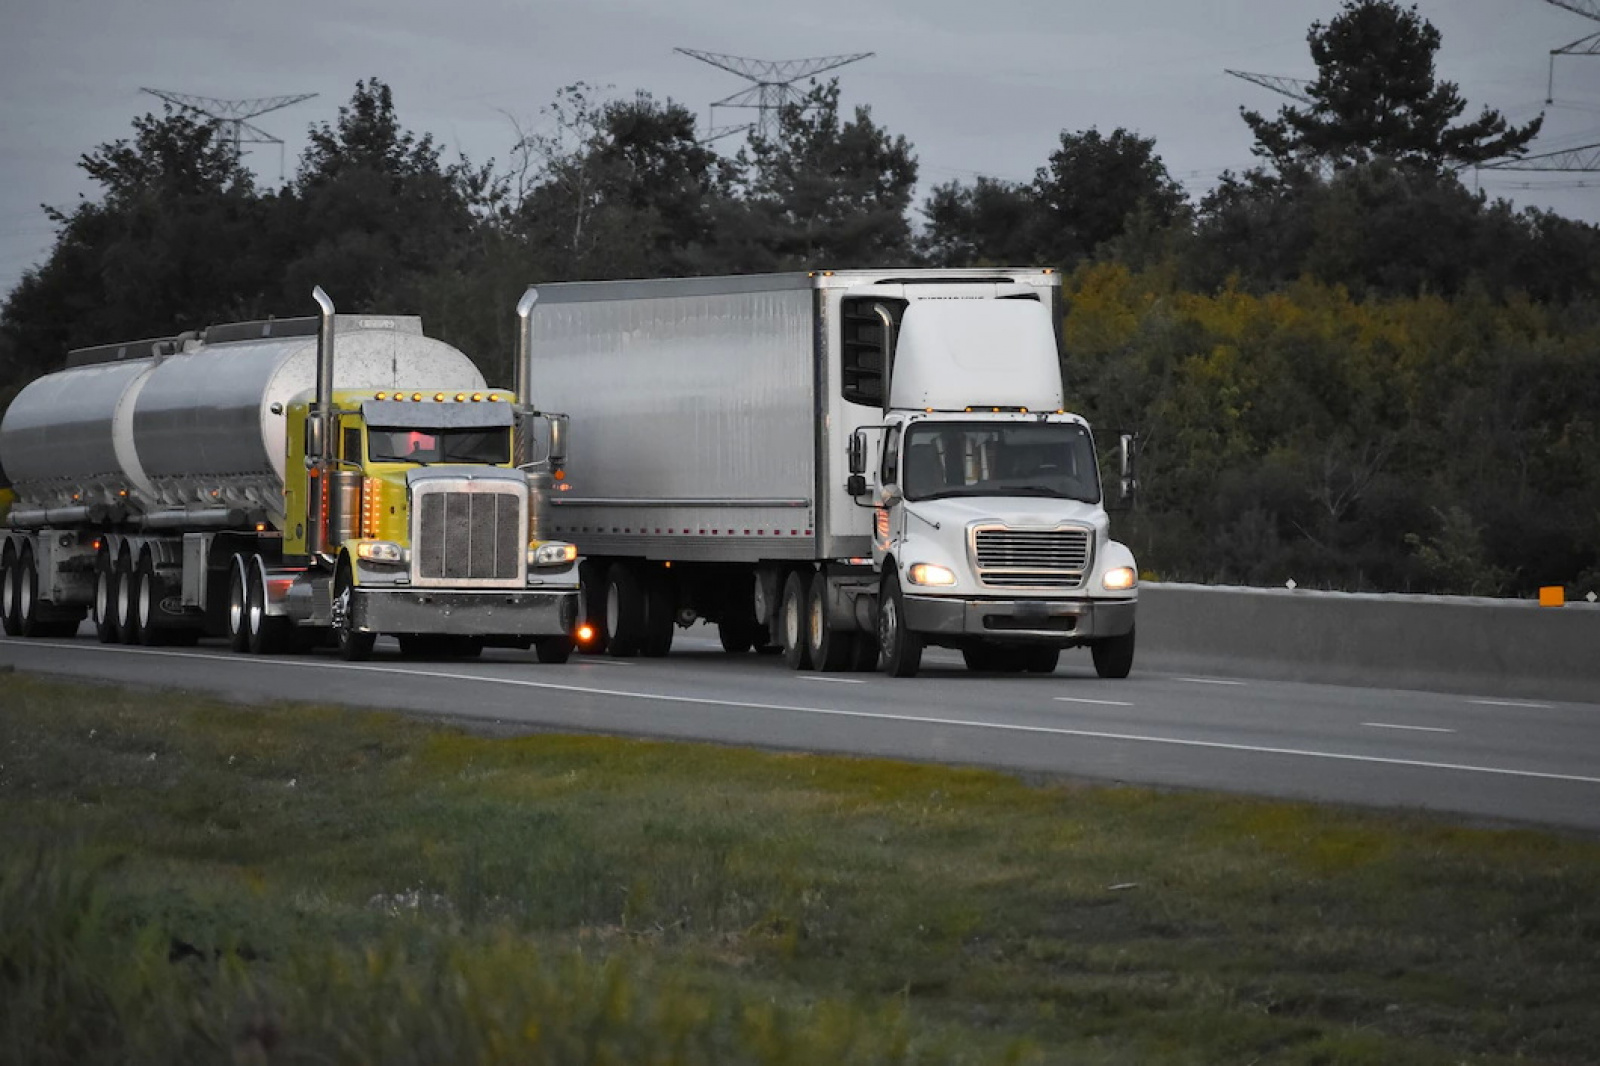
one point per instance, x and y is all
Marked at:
(736, 635)
(556, 649)
(1113, 656)
(794, 629)
(105, 599)
(660, 613)
(832, 649)
(902, 649)
(127, 617)
(354, 646)
(592, 595)
(27, 596)
(238, 605)
(10, 581)
(146, 602)
(625, 611)
(865, 653)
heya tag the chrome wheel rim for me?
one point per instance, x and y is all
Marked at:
(147, 584)
(25, 595)
(235, 604)
(102, 597)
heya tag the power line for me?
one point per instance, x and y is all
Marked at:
(232, 117)
(773, 86)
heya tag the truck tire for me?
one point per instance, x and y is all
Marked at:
(660, 613)
(832, 649)
(127, 588)
(105, 600)
(27, 596)
(592, 595)
(1041, 660)
(1113, 656)
(902, 649)
(736, 634)
(354, 646)
(10, 575)
(238, 605)
(625, 611)
(147, 603)
(267, 635)
(794, 622)
(865, 653)
(556, 649)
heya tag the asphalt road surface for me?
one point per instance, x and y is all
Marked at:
(1504, 759)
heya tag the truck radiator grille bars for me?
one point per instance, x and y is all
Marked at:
(1028, 558)
(469, 536)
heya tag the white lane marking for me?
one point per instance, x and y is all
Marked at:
(1513, 703)
(1083, 699)
(1004, 727)
(1413, 728)
(1209, 681)
(595, 660)
(835, 680)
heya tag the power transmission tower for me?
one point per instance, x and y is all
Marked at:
(1293, 88)
(774, 85)
(232, 117)
(1585, 157)
(1584, 46)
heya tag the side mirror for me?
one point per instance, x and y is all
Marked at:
(856, 485)
(314, 436)
(559, 424)
(1128, 455)
(857, 453)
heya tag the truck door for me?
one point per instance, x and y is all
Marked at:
(886, 517)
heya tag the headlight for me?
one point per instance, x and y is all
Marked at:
(931, 574)
(380, 551)
(555, 553)
(1119, 578)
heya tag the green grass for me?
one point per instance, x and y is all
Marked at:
(186, 880)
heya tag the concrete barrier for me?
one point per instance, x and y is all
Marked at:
(1482, 647)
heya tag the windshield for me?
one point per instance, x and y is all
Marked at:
(1054, 459)
(439, 445)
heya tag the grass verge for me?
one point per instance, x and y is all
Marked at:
(185, 880)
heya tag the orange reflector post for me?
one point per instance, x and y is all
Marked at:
(1552, 596)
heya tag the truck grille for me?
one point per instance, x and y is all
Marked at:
(1016, 558)
(477, 536)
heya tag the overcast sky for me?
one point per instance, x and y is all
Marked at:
(977, 88)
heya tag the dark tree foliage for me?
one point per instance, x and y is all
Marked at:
(1096, 190)
(829, 193)
(1376, 97)
(986, 222)
(1095, 185)
(170, 244)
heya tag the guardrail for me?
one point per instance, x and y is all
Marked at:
(1482, 647)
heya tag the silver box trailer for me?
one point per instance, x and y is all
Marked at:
(710, 469)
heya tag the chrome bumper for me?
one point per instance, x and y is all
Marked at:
(1063, 622)
(500, 612)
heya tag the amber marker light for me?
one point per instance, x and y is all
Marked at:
(381, 396)
(477, 397)
(461, 397)
(417, 397)
(585, 634)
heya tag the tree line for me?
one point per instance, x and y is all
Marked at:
(1348, 368)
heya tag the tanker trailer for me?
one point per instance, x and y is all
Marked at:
(282, 484)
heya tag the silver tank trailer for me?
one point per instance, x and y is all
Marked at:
(204, 427)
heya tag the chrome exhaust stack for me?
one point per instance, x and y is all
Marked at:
(322, 425)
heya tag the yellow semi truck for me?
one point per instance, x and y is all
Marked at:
(282, 484)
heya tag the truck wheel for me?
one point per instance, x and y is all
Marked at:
(238, 606)
(105, 600)
(832, 649)
(1113, 656)
(864, 652)
(354, 646)
(127, 587)
(1041, 660)
(27, 596)
(737, 635)
(267, 635)
(557, 649)
(592, 596)
(660, 614)
(902, 649)
(794, 629)
(625, 611)
(146, 603)
(10, 579)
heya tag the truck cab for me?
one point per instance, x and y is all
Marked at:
(990, 532)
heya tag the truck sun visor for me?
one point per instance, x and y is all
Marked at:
(386, 414)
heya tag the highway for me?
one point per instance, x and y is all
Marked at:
(1518, 760)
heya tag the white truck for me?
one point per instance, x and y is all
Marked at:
(846, 465)
(281, 482)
